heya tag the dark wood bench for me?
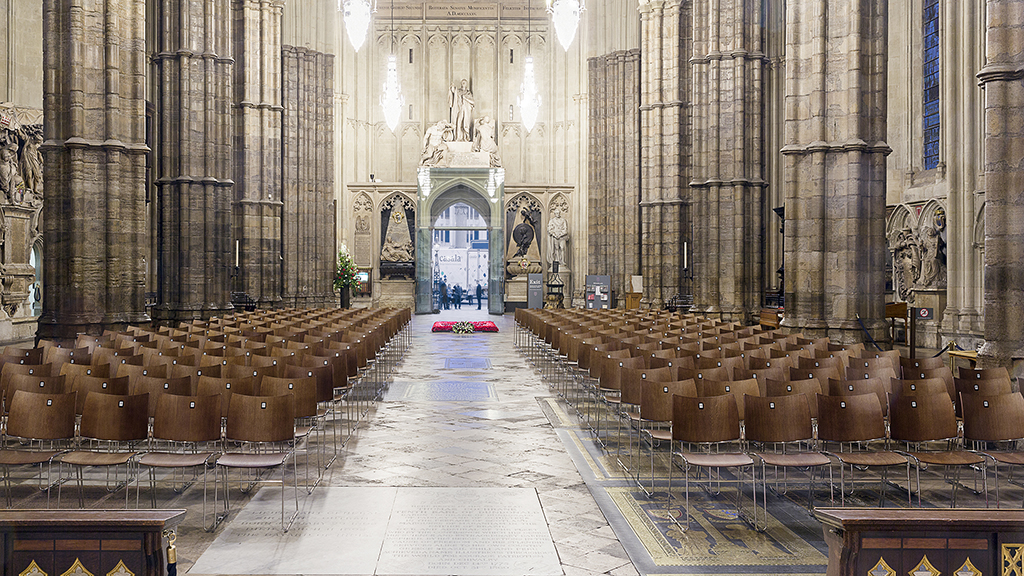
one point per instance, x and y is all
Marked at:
(891, 541)
(100, 540)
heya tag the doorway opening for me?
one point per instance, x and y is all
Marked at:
(459, 247)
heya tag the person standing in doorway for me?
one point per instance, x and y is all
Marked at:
(479, 295)
(444, 296)
(458, 297)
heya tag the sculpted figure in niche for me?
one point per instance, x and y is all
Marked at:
(906, 264)
(485, 140)
(933, 261)
(558, 233)
(461, 103)
(32, 159)
(434, 146)
(523, 236)
(10, 178)
(398, 246)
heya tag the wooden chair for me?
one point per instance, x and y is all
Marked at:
(821, 374)
(85, 385)
(849, 420)
(157, 387)
(656, 409)
(914, 364)
(36, 384)
(995, 424)
(923, 418)
(809, 388)
(226, 387)
(46, 422)
(874, 386)
(737, 388)
(711, 422)
(942, 372)
(993, 387)
(263, 428)
(134, 371)
(999, 373)
(862, 369)
(186, 435)
(783, 422)
(307, 415)
(114, 425)
(762, 375)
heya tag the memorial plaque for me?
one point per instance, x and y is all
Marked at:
(460, 10)
(387, 530)
(443, 391)
(467, 364)
(480, 531)
(253, 542)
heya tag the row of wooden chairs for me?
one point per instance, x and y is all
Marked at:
(309, 379)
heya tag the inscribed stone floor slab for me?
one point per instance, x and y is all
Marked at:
(388, 530)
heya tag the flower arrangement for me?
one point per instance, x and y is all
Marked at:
(345, 271)
(463, 328)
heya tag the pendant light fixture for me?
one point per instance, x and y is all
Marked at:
(391, 100)
(529, 100)
(565, 14)
(357, 19)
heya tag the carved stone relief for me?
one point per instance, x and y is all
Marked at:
(918, 247)
(522, 227)
(362, 212)
(398, 250)
(21, 202)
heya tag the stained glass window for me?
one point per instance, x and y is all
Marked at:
(930, 74)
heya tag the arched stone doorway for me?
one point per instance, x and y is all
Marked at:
(440, 188)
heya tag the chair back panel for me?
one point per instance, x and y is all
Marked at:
(736, 388)
(303, 388)
(993, 418)
(921, 418)
(777, 418)
(157, 387)
(41, 416)
(705, 419)
(808, 388)
(115, 417)
(261, 418)
(184, 418)
(850, 418)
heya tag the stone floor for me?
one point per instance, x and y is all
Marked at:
(490, 432)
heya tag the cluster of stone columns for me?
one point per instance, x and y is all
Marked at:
(258, 112)
(229, 131)
(94, 166)
(835, 149)
(308, 218)
(613, 234)
(665, 155)
(727, 186)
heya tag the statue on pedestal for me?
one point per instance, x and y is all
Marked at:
(558, 233)
(461, 103)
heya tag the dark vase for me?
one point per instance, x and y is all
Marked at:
(346, 297)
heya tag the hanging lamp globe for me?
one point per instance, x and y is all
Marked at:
(357, 20)
(391, 100)
(565, 15)
(529, 99)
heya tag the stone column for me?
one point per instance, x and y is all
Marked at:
(308, 242)
(1003, 81)
(613, 179)
(835, 152)
(256, 254)
(665, 31)
(94, 166)
(728, 172)
(194, 70)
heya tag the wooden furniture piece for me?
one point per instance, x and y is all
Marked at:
(100, 541)
(889, 541)
(970, 355)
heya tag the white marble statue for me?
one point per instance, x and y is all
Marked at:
(461, 103)
(558, 237)
(434, 147)
(485, 142)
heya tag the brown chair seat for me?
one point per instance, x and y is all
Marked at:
(794, 460)
(81, 458)
(172, 460)
(877, 458)
(240, 460)
(949, 458)
(1013, 458)
(23, 458)
(720, 460)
